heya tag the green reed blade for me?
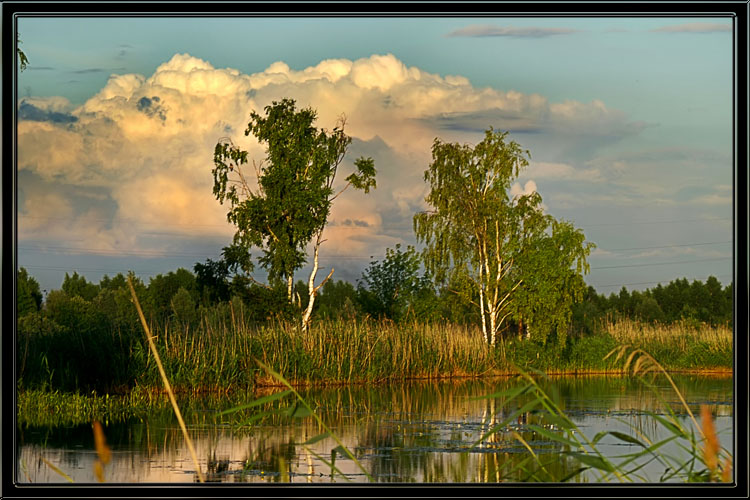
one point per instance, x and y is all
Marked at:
(592, 460)
(329, 464)
(257, 402)
(298, 411)
(574, 474)
(551, 435)
(628, 439)
(317, 438)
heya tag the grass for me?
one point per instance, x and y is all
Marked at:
(682, 345)
(165, 380)
(706, 461)
(39, 408)
(218, 356)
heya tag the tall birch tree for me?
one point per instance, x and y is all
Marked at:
(476, 233)
(284, 203)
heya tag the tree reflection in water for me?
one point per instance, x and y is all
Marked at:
(409, 432)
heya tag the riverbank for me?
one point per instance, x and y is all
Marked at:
(222, 356)
(37, 408)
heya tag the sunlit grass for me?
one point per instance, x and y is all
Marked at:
(681, 345)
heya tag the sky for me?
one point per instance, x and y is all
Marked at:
(628, 122)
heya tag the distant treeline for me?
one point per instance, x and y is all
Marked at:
(392, 289)
(87, 335)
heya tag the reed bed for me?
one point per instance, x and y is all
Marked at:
(220, 356)
(218, 353)
(682, 345)
(51, 409)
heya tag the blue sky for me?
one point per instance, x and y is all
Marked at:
(628, 120)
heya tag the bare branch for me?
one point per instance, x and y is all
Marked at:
(315, 290)
(259, 283)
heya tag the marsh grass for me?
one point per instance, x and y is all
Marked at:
(219, 356)
(685, 344)
(216, 353)
(165, 380)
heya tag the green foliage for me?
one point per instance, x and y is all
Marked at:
(337, 300)
(551, 280)
(72, 343)
(261, 303)
(183, 308)
(162, 289)
(212, 281)
(388, 289)
(648, 310)
(697, 302)
(517, 259)
(295, 185)
(115, 283)
(77, 286)
(22, 59)
(28, 295)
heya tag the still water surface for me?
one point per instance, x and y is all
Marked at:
(408, 432)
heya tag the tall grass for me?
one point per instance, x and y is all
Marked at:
(216, 353)
(683, 345)
(220, 356)
(165, 379)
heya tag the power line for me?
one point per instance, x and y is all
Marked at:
(667, 246)
(663, 263)
(391, 226)
(114, 253)
(655, 222)
(169, 254)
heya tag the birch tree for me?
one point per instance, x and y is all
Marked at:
(476, 233)
(284, 203)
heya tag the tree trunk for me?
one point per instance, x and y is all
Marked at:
(289, 289)
(493, 323)
(481, 308)
(312, 292)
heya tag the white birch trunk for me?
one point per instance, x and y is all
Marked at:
(311, 291)
(490, 303)
(481, 306)
(289, 284)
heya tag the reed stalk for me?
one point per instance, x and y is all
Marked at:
(164, 378)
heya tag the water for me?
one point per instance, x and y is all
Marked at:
(412, 432)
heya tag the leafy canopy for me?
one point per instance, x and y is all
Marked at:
(507, 255)
(292, 201)
(387, 288)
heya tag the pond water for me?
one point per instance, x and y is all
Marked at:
(406, 432)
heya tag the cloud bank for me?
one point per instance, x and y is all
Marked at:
(695, 28)
(145, 143)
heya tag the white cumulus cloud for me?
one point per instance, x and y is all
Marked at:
(146, 142)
